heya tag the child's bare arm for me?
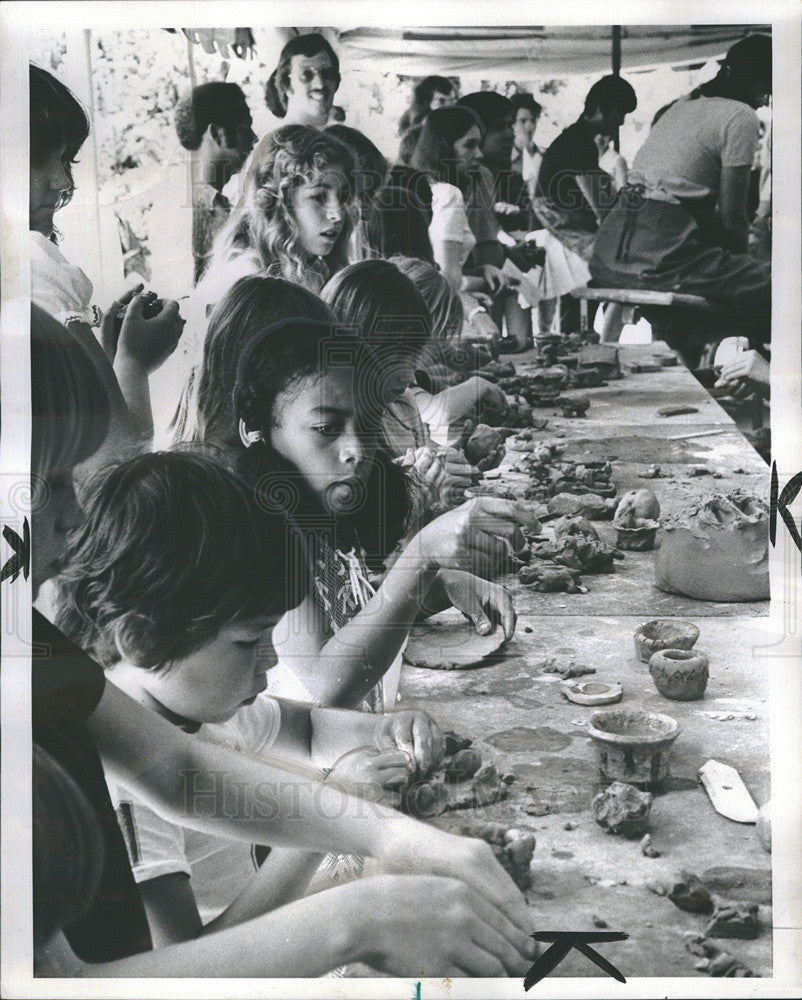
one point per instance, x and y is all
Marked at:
(451, 930)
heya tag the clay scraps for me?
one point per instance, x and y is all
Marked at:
(576, 544)
(714, 960)
(512, 846)
(622, 809)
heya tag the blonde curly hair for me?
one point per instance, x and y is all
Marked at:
(262, 221)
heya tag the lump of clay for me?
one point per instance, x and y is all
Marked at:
(623, 809)
(454, 743)
(589, 505)
(641, 503)
(484, 448)
(463, 765)
(717, 550)
(734, 920)
(550, 578)
(487, 786)
(428, 798)
(574, 406)
(577, 545)
(690, 894)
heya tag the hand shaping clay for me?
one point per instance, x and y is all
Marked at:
(623, 809)
(717, 550)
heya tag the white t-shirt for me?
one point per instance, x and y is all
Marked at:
(449, 218)
(685, 151)
(220, 868)
(60, 288)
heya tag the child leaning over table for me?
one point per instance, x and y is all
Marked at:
(164, 589)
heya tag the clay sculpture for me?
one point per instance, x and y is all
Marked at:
(632, 745)
(603, 357)
(714, 960)
(717, 550)
(549, 577)
(590, 505)
(463, 765)
(483, 447)
(635, 534)
(641, 503)
(574, 406)
(680, 674)
(664, 633)
(623, 809)
(577, 545)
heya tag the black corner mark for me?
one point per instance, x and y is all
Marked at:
(21, 560)
(562, 942)
(780, 502)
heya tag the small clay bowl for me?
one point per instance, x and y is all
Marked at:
(639, 538)
(664, 633)
(633, 746)
(680, 674)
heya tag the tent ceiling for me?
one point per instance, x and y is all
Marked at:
(532, 51)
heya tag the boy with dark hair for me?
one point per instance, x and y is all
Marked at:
(172, 588)
(213, 120)
(573, 194)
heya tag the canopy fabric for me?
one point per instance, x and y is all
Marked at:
(545, 49)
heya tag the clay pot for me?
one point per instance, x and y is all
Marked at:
(636, 534)
(680, 674)
(640, 503)
(663, 633)
(633, 746)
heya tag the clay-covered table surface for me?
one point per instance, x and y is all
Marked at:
(633, 438)
(518, 719)
(636, 398)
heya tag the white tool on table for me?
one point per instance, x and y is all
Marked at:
(727, 792)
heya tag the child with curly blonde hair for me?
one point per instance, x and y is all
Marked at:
(296, 218)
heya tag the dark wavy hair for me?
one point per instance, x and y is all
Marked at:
(213, 103)
(434, 152)
(422, 95)
(278, 358)
(56, 119)
(173, 547)
(278, 83)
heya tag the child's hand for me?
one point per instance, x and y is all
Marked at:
(487, 604)
(113, 320)
(374, 773)
(415, 735)
(492, 395)
(456, 930)
(434, 852)
(495, 278)
(429, 467)
(148, 342)
(472, 536)
(459, 474)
